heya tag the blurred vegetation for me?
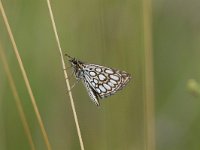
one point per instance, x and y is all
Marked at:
(109, 33)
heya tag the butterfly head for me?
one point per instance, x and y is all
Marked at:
(74, 62)
(76, 65)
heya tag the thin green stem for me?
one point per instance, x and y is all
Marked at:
(17, 99)
(25, 77)
(149, 117)
(66, 76)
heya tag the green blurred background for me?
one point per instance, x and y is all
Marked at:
(109, 33)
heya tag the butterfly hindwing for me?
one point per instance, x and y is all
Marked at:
(93, 94)
(105, 81)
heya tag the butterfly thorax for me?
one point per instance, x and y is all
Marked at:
(78, 68)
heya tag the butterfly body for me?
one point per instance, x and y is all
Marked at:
(99, 81)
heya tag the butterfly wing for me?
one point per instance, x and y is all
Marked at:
(91, 92)
(105, 81)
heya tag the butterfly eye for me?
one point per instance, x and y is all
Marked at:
(74, 63)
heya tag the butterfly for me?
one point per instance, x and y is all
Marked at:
(99, 81)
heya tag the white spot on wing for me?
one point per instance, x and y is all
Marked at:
(102, 77)
(107, 86)
(114, 77)
(98, 69)
(111, 84)
(98, 90)
(109, 71)
(93, 84)
(113, 81)
(102, 88)
(95, 81)
(92, 73)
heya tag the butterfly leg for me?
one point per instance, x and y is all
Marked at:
(70, 76)
(73, 85)
(68, 68)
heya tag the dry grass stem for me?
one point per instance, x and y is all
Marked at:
(149, 78)
(17, 99)
(66, 77)
(25, 78)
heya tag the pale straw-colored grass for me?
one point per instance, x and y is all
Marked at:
(17, 98)
(25, 78)
(149, 117)
(66, 76)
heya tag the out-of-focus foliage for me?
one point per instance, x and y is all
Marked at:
(109, 33)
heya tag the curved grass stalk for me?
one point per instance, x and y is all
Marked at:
(66, 76)
(25, 78)
(17, 99)
(149, 117)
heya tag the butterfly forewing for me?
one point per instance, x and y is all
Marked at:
(105, 81)
(99, 81)
(93, 95)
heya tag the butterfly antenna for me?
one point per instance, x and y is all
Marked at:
(68, 56)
